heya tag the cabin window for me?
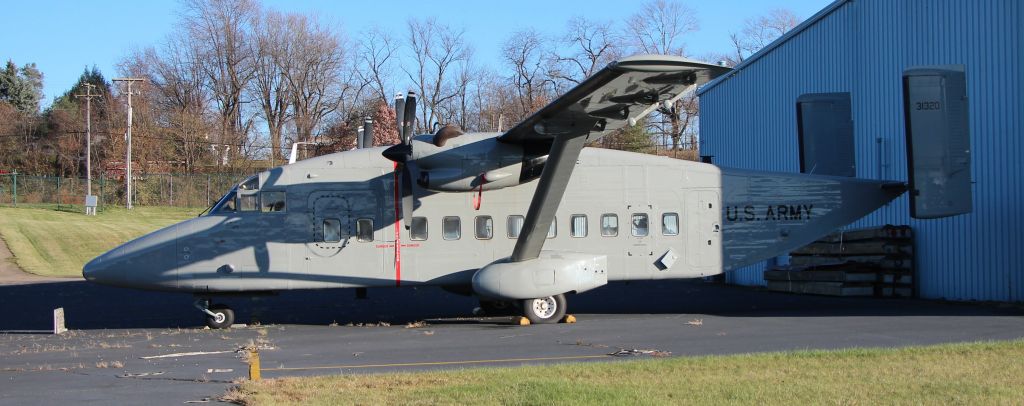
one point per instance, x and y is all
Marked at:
(641, 225)
(272, 201)
(418, 229)
(451, 228)
(515, 226)
(578, 225)
(670, 224)
(484, 227)
(364, 230)
(609, 225)
(553, 230)
(332, 230)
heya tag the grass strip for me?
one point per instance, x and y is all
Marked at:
(973, 373)
(49, 242)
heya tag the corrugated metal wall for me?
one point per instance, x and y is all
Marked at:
(862, 47)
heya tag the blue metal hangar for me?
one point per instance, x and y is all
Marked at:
(832, 96)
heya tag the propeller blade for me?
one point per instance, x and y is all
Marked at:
(407, 197)
(410, 117)
(400, 115)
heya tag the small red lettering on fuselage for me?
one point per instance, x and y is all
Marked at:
(393, 246)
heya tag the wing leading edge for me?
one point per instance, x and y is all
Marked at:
(618, 95)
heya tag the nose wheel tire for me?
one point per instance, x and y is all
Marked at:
(544, 310)
(223, 317)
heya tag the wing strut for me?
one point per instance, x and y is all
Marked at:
(550, 188)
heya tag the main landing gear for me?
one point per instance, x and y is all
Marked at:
(544, 310)
(218, 315)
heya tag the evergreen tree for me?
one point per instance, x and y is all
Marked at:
(93, 77)
(21, 88)
(634, 139)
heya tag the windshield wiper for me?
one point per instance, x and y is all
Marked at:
(207, 209)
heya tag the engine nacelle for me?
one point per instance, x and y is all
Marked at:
(551, 273)
(462, 180)
(471, 162)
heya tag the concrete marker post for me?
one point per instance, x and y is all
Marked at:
(58, 321)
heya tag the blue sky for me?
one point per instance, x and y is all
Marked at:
(64, 36)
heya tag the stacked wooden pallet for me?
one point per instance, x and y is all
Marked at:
(875, 261)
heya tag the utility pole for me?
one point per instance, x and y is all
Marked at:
(128, 149)
(90, 200)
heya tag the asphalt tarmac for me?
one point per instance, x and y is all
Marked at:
(101, 360)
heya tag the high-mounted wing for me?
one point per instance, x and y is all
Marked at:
(618, 95)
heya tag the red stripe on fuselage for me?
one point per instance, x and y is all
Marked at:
(398, 235)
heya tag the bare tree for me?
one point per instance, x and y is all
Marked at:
(492, 102)
(179, 78)
(221, 29)
(590, 46)
(759, 32)
(466, 80)
(271, 59)
(377, 51)
(437, 51)
(525, 54)
(659, 27)
(316, 60)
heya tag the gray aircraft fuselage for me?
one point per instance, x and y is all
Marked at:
(338, 225)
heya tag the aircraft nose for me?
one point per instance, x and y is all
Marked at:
(145, 262)
(104, 268)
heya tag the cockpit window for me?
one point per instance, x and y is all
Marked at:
(226, 204)
(247, 201)
(253, 183)
(248, 194)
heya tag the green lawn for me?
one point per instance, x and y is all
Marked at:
(968, 374)
(48, 242)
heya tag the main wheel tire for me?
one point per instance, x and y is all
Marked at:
(223, 317)
(497, 308)
(545, 310)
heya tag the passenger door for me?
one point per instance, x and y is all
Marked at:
(335, 248)
(704, 231)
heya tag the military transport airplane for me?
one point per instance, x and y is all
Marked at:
(518, 219)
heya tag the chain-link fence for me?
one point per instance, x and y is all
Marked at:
(182, 190)
(154, 189)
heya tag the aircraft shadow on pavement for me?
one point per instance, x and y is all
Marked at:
(88, 306)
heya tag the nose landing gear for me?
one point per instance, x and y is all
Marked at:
(218, 316)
